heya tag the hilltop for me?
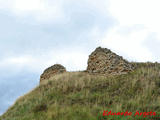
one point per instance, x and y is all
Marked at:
(108, 83)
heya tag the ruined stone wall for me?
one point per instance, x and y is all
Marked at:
(51, 71)
(104, 61)
(101, 61)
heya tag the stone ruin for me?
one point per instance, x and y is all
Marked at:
(51, 71)
(104, 61)
(101, 61)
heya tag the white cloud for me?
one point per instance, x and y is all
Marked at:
(40, 10)
(20, 60)
(136, 20)
(17, 63)
(129, 45)
(129, 12)
(54, 10)
(48, 10)
(71, 59)
(28, 5)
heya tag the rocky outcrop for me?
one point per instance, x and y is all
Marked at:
(51, 71)
(104, 61)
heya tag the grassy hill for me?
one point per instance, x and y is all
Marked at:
(80, 96)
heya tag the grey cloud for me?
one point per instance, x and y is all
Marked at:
(21, 36)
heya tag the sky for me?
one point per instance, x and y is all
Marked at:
(35, 34)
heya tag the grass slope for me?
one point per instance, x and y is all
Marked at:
(80, 96)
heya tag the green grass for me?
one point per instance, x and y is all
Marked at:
(80, 96)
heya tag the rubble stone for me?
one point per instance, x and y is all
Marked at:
(51, 71)
(104, 61)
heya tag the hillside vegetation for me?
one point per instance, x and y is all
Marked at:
(82, 96)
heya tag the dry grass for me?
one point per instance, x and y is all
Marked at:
(80, 96)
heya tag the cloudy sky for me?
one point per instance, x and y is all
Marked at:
(35, 34)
